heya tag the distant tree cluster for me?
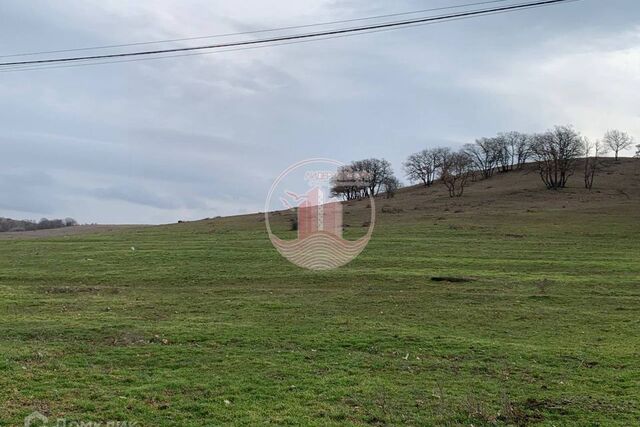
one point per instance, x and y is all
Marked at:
(555, 153)
(7, 224)
(365, 178)
(504, 152)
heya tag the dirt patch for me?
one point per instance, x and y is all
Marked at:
(128, 338)
(391, 210)
(132, 338)
(451, 279)
(515, 236)
(547, 405)
(79, 290)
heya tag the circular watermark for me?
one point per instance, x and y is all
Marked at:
(318, 211)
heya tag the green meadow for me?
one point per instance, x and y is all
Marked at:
(449, 317)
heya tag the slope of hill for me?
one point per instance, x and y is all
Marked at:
(616, 191)
(204, 323)
(617, 186)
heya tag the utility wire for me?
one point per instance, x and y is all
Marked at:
(291, 27)
(276, 41)
(84, 64)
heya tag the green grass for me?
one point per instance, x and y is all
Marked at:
(205, 324)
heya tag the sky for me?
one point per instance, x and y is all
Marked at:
(201, 136)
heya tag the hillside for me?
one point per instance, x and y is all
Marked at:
(616, 191)
(512, 305)
(617, 183)
(616, 187)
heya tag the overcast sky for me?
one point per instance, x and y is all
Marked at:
(201, 136)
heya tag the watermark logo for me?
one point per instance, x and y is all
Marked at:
(36, 419)
(318, 214)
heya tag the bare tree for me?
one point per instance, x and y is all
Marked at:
(591, 164)
(443, 157)
(422, 167)
(391, 185)
(484, 154)
(512, 150)
(556, 152)
(638, 151)
(617, 141)
(456, 172)
(519, 149)
(378, 170)
(505, 152)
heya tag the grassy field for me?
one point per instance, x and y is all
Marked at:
(205, 324)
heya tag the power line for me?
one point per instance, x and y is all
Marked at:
(291, 27)
(284, 38)
(85, 64)
(276, 41)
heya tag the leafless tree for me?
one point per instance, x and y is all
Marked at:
(443, 157)
(523, 149)
(391, 185)
(378, 170)
(484, 155)
(422, 166)
(456, 172)
(617, 141)
(514, 150)
(556, 152)
(505, 152)
(592, 152)
(638, 151)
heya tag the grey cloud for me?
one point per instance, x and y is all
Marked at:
(148, 198)
(27, 192)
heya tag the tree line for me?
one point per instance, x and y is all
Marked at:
(555, 153)
(8, 224)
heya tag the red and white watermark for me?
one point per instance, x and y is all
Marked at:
(319, 216)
